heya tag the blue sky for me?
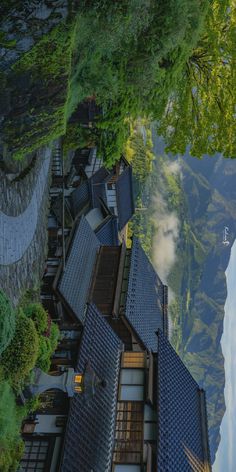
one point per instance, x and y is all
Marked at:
(226, 454)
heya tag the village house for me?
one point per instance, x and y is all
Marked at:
(144, 411)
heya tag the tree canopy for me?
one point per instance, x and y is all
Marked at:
(129, 55)
(20, 356)
(201, 111)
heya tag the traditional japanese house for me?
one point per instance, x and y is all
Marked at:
(121, 282)
(151, 415)
(106, 199)
(110, 188)
(86, 161)
(44, 431)
(86, 113)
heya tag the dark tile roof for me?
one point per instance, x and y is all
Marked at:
(107, 232)
(80, 197)
(75, 280)
(90, 428)
(100, 176)
(125, 199)
(144, 309)
(182, 422)
(97, 182)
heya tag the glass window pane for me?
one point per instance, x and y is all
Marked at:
(132, 376)
(42, 455)
(132, 393)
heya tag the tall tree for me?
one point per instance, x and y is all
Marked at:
(201, 111)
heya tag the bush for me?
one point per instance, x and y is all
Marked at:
(9, 426)
(11, 454)
(7, 322)
(47, 346)
(44, 355)
(11, 446)
(54, 336)
(20, 356)
(48, 334)
(38, 315)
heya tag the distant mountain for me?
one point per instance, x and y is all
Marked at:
(202, 195)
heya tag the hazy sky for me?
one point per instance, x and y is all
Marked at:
(226, 454)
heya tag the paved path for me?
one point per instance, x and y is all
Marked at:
(16, 233)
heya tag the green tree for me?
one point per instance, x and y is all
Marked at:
(201, 111)
(48, 334)
(38, 315)
(7, 322)
(20, 356)
(130, 55)
(47, 346)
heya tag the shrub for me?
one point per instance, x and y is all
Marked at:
(47, 346)
(11, 446)
(7, 322)
(9, 426)
(38, 315)
(54, 336)
(10, 456)
(20, 356)
(44, 355)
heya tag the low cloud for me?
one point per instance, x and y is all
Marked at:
(166, 237)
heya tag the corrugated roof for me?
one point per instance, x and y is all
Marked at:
(181, 426)
(90, 428)
(125, 199)
(75, 280)
(144, 303)
(107, 233)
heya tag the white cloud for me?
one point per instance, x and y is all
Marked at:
(167, 230)
(226, 454)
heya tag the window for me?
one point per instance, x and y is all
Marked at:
(150, 424)
(134, 359)
(110, 186)
(132, 377)
(129, 433)
(35, 455)
(132, 393)
(132, 384)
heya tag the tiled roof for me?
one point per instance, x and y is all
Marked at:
(107, 233)
(97, 182)
(144, 309)
(90, 428)
(125, 199)
(80, 197)
(75, 280)
(101, 175)
(182, 423)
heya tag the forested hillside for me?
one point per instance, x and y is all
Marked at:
(167, 60)
(191, 203)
